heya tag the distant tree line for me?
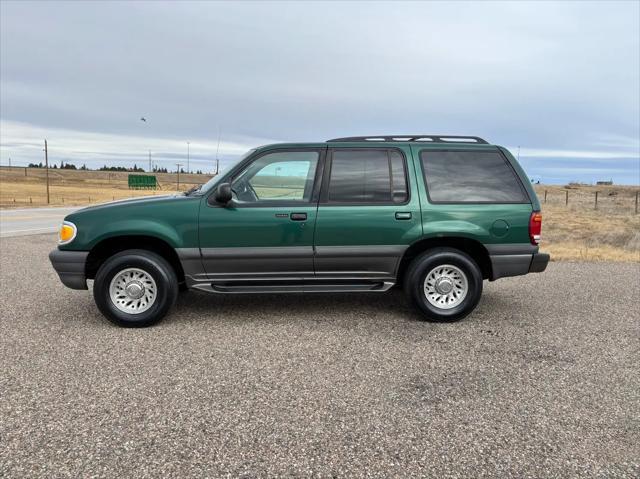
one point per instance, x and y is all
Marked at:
(121, 168)
(135, 169)
(63, 166)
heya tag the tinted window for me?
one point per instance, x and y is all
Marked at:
(398, 178)
(279, 176)
(367, 176)
(470, 176)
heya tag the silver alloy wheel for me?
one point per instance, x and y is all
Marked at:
(133, 291)
(446, 286)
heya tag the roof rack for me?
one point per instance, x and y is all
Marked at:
(427, 138)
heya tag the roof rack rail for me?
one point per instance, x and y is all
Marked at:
(428, 138)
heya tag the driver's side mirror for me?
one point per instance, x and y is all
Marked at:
(223, 194)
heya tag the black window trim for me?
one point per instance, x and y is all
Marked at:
(235, 172)
(324, 192)
(525, 195)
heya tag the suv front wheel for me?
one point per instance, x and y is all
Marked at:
(135, 288)
(444, 283)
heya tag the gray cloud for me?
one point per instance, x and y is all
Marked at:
(547, 76)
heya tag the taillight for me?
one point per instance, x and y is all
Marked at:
(535, 227)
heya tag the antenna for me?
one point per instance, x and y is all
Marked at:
(217, 150)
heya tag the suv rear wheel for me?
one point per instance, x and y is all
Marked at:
(444, 283)
(135, 288)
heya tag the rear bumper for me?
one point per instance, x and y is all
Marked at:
(516, 260)
(539, 263)
(70, 266)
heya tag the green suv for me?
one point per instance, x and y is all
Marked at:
(437, 214)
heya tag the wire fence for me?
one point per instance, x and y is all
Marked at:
(621, 199)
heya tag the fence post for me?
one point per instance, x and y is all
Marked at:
(30, 200)
(545, 196)
(566, 197)
(596, 205)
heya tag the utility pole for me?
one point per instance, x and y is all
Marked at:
(46, 166)
(217, 166)
(150, 161)
(188, 169)
(178, 165)
(9, 162)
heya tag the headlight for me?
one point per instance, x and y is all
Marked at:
(67, 232)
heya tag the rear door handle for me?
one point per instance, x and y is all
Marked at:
(403, 215)
(298, 216)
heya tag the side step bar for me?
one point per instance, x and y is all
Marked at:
(284, 287)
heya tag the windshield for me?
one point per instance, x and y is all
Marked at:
(214, 180)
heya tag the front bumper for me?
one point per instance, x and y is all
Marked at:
(70, 266)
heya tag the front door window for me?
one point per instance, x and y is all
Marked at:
(277, 177)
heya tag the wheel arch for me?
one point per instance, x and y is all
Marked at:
(472, 247)
(115, 244)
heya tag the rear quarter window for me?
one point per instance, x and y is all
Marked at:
(470, 177)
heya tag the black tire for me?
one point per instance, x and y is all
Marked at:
(422, 265)
(154, 265)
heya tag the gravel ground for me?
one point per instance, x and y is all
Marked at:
(541, 381)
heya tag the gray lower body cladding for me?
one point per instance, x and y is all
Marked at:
(70, 266)
(298, 263)
(380, 261)
(252, 261)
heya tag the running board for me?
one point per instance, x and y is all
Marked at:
(283, 287)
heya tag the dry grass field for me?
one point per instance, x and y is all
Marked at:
(20, 187)
(578, 231)
(574, 231)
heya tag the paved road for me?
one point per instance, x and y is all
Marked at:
(30, 221)
(541, 381)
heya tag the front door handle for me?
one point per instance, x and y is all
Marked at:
(298, 216)
(403, 215)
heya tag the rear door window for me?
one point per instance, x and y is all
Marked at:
(367, 176)
(470, 177)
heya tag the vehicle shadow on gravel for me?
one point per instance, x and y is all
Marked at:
(316, 307)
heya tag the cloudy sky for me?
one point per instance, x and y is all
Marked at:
(560, 80)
